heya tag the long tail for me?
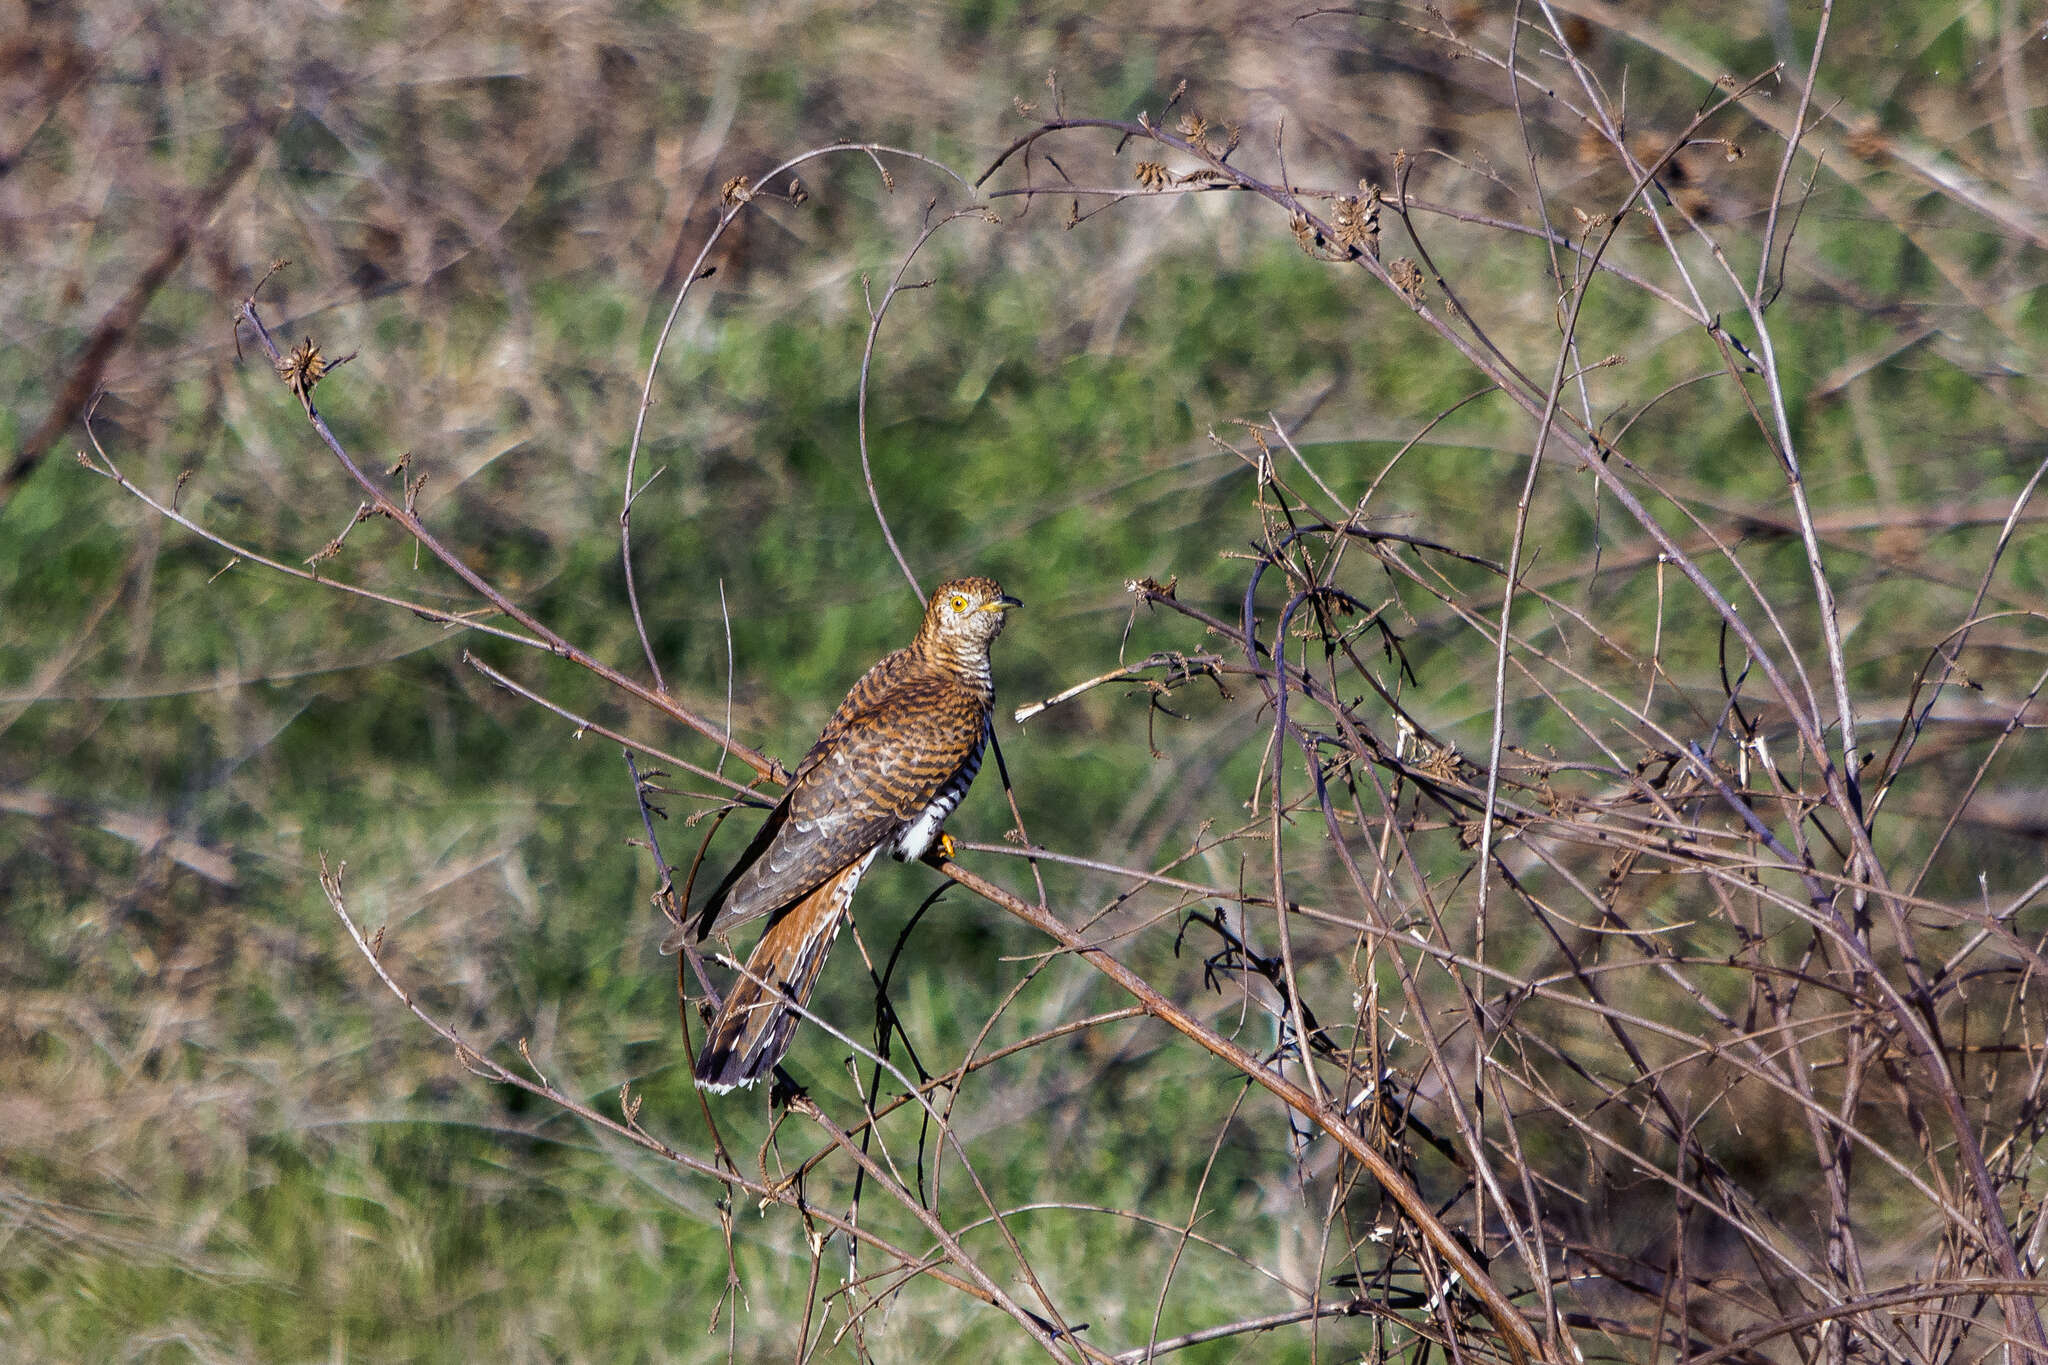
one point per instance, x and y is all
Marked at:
(760, 1013)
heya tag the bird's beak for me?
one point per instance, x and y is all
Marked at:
(1003, 603)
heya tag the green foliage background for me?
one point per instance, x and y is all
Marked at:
(220, 1140)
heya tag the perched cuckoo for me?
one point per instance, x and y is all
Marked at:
(893, 763)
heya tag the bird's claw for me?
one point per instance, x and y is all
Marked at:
(946, 847)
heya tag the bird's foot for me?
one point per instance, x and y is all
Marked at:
(946, 848)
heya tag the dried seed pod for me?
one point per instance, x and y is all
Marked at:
(1305, 235)
(1152, 175)
(1407, 277)
(304, 366)
(1358, 220)
(1438, 761)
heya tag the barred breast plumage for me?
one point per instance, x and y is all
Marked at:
(893, 763)
(915, 838)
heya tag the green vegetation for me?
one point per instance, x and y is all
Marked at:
(222, 1138)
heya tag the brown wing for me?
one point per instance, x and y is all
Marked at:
(895, 741)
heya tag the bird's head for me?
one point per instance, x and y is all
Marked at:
(964, 617)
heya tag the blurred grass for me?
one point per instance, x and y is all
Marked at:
(220, 1141)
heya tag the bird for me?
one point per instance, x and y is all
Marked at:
(893, 762)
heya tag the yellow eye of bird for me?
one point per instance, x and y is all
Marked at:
(958, 603)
